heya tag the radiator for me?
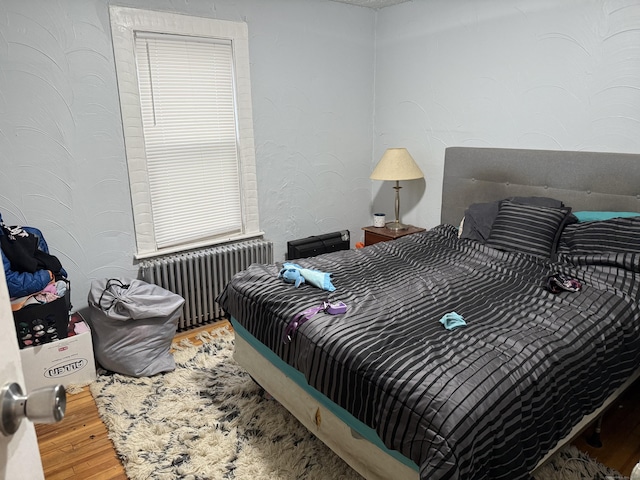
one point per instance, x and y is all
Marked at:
(200, 276)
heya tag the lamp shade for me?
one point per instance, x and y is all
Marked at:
(396, 164)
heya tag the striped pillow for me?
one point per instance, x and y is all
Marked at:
(527, 228)
(617, 235)
(479, 217)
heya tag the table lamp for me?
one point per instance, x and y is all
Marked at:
(397, 164)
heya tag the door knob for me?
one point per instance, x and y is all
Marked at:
(43, 405)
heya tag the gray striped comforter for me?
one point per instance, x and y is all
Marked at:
(485, 401)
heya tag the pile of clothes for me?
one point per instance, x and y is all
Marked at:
(34, 278)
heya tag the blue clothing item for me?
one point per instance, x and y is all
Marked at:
(291, 272)
(291, 275)
(20, 284)
(452, 320)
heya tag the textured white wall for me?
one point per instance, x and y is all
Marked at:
(544, 74)
(63, 167)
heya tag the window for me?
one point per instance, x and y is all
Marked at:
(186, 110)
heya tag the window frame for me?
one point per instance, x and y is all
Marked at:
(125, 22)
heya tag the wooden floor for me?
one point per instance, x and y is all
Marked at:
(620, 434)
(78, 448)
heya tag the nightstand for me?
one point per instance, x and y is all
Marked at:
(382, 234)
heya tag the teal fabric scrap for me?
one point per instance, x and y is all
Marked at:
(452, 320)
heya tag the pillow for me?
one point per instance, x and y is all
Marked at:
(527, 228)
(617, 235)
(479, 217)
(592, 216)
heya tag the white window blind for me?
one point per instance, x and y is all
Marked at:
(185, 98)
(189, 124)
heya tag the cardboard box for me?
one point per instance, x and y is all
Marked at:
(69, 361)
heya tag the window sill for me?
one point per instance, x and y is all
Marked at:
(195, 245)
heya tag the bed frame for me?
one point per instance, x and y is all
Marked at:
(583, 180)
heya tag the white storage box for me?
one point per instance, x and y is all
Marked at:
(67, 362)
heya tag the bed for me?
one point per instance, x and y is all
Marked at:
(397, 394)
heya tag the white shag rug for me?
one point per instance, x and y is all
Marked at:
(209, 420)
(573, 464)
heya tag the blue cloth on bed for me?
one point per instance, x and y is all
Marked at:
(453, 320)
(294, 273)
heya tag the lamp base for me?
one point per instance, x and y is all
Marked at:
(396, 226)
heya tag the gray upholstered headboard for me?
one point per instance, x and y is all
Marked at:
(582, 180)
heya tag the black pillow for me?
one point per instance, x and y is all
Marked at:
(617, 235)
(479, 217)
(528, 228)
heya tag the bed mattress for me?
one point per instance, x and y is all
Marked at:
(486, 400)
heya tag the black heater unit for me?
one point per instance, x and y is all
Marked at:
(318, 244)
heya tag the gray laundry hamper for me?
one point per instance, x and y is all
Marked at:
(133, 324)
